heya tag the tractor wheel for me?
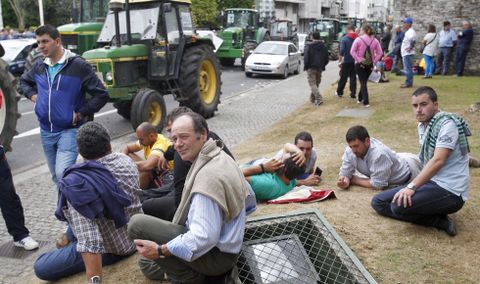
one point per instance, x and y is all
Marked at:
(124, 108)
(148, 105)
(227, 61)
(247, 48)
(334, 51)
(8, 106)
(200, 80)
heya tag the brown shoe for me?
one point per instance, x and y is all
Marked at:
(61, 241)
(405, 86)
(473, 163)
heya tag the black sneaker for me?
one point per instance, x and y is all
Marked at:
(446, 224)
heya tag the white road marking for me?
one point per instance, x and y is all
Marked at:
(36, 131)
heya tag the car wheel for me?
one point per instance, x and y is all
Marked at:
(248, 74)
(299, 66)
(285, 72)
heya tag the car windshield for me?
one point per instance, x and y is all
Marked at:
(93, 10)
(324, 26)
(280, 28)
(241, 18)
(272, 48)
(143, 24)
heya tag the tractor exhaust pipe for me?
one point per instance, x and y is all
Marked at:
(127, 18)
(116, 7)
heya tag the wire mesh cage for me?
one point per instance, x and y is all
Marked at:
(300, 247)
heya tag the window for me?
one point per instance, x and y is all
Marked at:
(171, 22)
(186, 20)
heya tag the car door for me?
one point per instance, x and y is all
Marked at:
(292, 62)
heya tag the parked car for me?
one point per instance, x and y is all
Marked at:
(274, 57)
(16, 52)
(302, 38)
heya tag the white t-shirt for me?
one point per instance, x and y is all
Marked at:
(408, 39)
(454, 174)
(431, 44)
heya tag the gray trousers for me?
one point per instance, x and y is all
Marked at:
(314, 79)
(212, 263)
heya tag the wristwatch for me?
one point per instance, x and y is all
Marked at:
(95, 279)
(412, 186)
(160, 252)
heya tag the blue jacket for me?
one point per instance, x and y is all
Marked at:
(57, 101)
(345, 47)
(466, 38)
(94, 192)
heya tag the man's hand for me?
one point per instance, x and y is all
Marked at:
(404, 197)
(33, 98)
(343, 182)
(76, 118)
(163, 164)
(147, 249)
(272, 165)
(312, 179)
(298, 158)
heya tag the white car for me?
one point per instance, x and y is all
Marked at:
(16, 51)
(301, 42)
(274, 57)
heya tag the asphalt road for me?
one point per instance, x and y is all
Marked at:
(27, 149)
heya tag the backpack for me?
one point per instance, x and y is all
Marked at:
(367, 56)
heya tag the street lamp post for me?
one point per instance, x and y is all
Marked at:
(40, 8)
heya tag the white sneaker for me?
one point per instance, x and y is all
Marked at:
(27, 243)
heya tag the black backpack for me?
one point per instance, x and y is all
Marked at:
(367, 56)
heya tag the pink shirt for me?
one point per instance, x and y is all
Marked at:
(359, 47)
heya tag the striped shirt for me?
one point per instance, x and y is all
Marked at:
(383, 166)
(206, 230)
(101, 235)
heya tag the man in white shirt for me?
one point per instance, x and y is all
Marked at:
(441, 188)
(408, 51)
(370, 157)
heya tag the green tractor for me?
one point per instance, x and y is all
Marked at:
(241, 35)
(150, 50)
(329, 30)
(284, 30)
(82, 35)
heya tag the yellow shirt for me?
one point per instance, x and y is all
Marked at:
(158, 148)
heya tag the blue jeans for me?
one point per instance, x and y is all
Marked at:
(443, 60)
(429, 65)
(460, 59)
(430, 204)
(66, 261)
(408, 66)
(60, 150)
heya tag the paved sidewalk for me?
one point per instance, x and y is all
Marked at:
(237, 120)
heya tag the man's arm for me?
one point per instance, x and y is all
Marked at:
(93, 264)
(346, 170)
(380, 169)
(92, 85)
(297, 154)
(312, 179)
(440, 156)
(131, 148)
(28, 85)
(151, 162)
(268, 167)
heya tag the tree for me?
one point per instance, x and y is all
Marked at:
(19, 12)
(225, 4)
(204, 13)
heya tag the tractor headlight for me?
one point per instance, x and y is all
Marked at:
(109, 76)
(71, 46)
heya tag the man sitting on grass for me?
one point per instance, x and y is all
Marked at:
(97, 199)
(441, 188)
(371, 158)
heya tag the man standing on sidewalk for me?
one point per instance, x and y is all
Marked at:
(408, 51)
(11, 207)
(57, 85)
(347, 63)
(315, 60)
(446, 42)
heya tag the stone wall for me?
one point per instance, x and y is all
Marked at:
(425, 12)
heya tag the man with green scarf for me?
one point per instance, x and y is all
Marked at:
(441, 188)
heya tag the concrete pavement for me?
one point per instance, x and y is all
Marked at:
(238, 119)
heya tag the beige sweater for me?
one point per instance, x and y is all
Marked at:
(216, 175)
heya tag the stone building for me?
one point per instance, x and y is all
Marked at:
(425, 12)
